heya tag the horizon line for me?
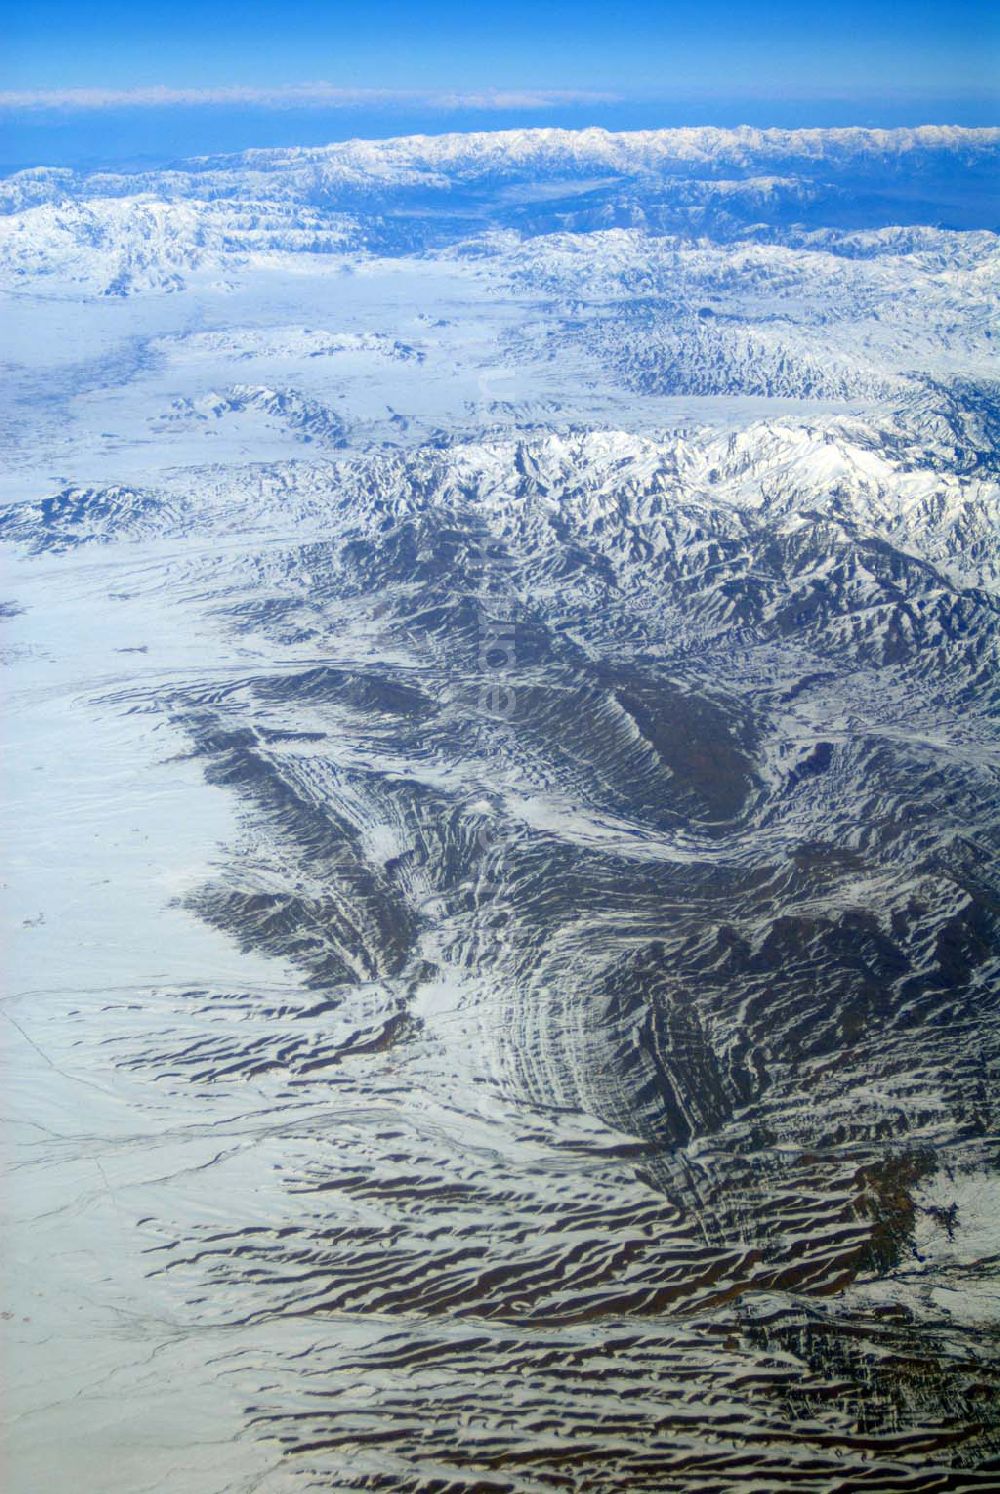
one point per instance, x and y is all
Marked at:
(332, 96)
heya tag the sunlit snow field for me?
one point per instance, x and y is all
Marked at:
(595, 1090)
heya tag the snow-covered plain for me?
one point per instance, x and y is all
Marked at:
(590, 1085)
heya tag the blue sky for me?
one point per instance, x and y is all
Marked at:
(694, 45)
(158, 78)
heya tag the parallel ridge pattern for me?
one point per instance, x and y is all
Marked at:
(692, 919)
(623, 1111)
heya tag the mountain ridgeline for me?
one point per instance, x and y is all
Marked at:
(572, 559)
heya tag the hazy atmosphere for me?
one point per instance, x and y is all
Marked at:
(500, 616)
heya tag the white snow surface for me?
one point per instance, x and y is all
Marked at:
(370, 1051)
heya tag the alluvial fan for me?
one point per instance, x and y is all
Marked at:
(533, 1006)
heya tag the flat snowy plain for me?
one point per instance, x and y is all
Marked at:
(591, 1085)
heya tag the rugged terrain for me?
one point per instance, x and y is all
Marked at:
(501, 649)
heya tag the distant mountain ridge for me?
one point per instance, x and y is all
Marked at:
(570, 562)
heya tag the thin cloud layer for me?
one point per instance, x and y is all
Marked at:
(298, 95)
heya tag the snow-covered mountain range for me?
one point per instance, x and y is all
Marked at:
(503, 636)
